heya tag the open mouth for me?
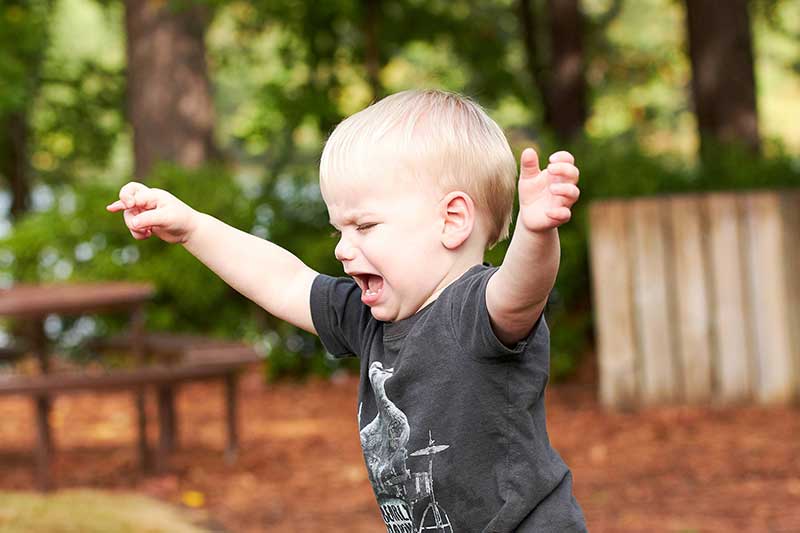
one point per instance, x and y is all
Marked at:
(370, 285)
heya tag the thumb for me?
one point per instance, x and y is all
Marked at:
(529, 164)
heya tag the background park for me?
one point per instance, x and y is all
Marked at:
(227, 104)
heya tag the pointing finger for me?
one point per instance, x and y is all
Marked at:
(115, 206)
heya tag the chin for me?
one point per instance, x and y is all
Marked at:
(379, 314)
(385, 315)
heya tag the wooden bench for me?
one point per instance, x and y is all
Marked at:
(168, 361)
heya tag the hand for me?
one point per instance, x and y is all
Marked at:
(546, 196)
(154, 211)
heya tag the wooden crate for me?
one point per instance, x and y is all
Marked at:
(697, 297)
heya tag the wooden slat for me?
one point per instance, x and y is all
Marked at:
(191, 347)
(30, 301)
(732, 358)
(767, 285)
(56, 383)
(613, 310)
(790, 208)
(658, 373)
(693, 320)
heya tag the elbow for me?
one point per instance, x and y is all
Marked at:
(510, 328)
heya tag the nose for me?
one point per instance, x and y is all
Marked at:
(344, 250)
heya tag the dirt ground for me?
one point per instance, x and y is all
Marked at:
(686, 469)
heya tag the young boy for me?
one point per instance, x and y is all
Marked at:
(454, 353)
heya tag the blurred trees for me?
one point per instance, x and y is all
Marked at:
(598, 77)
(23, 38)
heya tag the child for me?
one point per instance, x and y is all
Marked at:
(454, 353)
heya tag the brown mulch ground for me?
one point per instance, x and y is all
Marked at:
(686, 469)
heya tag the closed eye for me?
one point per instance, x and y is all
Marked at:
(365, 227)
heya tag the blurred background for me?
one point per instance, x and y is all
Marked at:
(227, 105)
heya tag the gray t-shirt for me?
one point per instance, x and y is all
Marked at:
(452, 422)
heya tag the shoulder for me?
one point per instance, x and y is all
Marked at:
(339, 317)
(474, 279)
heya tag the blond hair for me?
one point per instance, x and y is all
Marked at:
(429, 135)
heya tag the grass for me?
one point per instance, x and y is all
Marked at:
(89, 511)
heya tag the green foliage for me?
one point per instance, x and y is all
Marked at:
(77, 120)
(23, 38)
(75, 238)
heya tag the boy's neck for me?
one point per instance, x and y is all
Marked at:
(463, 260)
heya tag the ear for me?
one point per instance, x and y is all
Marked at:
(457, 212)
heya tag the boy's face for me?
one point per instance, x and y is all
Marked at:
(390, 243)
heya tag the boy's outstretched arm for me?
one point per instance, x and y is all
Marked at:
(262, 271)
(517, 292)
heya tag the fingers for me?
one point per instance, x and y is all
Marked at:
(141, 235)
(564, 171)
(529, 164)
(562, 156)
(128, 215)
(143, 199)
(567, 190)
(559, 214)
(132, 194)
(148, 219)
(140, 205)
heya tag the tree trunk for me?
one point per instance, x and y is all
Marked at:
(14, 160)
(557, 71)
(567, 98)
(537, 66)
(723, 81)
(372, 56)
(169, 95)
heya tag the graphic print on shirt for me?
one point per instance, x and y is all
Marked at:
(384, 441)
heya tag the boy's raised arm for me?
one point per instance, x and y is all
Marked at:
(517, 292)
(264, 272)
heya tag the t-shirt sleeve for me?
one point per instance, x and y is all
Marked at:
(338, 314)
(472, 326)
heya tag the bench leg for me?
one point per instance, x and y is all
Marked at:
(44, 447)
(167, 425)
(144, 452)
(232, 450)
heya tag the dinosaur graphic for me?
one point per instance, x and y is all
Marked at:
(384, 439)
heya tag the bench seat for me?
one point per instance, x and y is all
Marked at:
(169, 360)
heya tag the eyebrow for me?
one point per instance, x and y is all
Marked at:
(351, 217)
